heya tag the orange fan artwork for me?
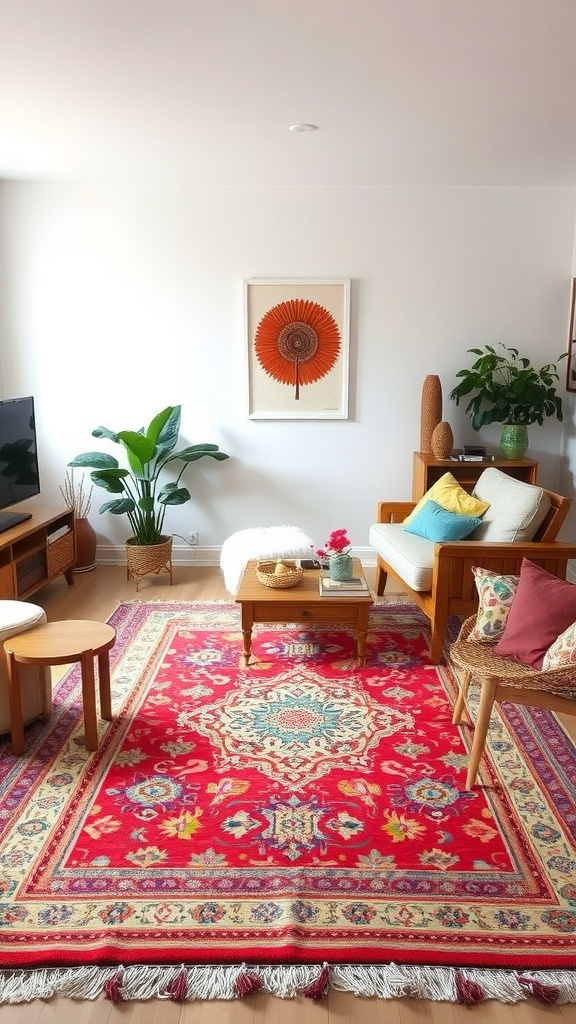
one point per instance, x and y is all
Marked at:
(297, 342)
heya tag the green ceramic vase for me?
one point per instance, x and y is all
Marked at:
(514, 440)
(341, 566)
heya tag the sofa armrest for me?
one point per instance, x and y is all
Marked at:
(452, 577)
(394, 511)
(536, 550)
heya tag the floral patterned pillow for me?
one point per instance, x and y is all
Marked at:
(496, 594)
(563, 651)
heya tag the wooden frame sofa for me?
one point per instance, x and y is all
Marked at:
(452, 590)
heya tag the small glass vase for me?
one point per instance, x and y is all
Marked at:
(341, 566)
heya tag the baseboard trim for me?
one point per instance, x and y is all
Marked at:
(183, 554)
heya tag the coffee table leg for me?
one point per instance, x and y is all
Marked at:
(247, 623)
(247, 638)
(15, 699)
(89, 701)
(104, 684)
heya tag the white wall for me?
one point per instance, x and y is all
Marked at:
(568, 471)
(117, 302)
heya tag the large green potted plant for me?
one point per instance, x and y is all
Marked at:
(141, 495)
(504, 387)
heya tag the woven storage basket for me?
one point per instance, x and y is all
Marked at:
(60, 554)
(266, 575)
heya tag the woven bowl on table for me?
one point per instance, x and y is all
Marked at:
(266, 574)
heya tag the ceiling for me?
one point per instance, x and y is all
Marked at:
(201, 92)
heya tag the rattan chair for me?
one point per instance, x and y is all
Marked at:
(504, 679)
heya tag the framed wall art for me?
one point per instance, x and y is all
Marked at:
(571, 367)
(297, 338)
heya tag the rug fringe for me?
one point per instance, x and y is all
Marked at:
(183, 983)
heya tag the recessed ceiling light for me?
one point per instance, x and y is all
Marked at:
(303, 128)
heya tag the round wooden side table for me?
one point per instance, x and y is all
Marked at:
(63, 643)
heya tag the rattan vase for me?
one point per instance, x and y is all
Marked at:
(430, 410)
(442, 440)
(146, 559)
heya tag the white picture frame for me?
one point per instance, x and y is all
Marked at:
(297, 343)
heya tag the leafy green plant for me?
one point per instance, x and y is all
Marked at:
(148, 451)
(506, 388)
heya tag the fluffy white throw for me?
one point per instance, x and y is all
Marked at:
(261, 542)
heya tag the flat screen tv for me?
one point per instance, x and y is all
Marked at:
(19, 476)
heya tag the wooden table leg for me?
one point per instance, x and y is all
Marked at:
(247, 623)
(89, 700)
(15, 699)
(104, 685)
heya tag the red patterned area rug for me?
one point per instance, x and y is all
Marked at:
(292, 824)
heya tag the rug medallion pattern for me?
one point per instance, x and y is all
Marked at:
(294, 809)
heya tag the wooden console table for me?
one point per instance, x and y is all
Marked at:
(37, 551)
(426, 470)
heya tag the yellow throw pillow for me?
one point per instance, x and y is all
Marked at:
(448, 493)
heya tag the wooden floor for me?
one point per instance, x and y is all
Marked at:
(94, 595)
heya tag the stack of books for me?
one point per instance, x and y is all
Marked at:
(356, 587)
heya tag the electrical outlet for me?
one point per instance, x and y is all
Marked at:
(193, 539)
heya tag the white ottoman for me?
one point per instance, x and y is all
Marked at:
(17, 617)
(261, 542)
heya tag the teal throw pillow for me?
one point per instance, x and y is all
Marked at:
(435, 523)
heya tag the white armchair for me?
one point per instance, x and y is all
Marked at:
(522, 521)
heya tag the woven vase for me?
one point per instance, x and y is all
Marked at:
(430, 410)
(442, 440)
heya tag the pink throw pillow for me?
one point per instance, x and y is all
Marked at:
(542, 609)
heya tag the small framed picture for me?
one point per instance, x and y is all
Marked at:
(571, 367)
(297, 340)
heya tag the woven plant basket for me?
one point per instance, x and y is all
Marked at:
(265, 572)
(145, 559)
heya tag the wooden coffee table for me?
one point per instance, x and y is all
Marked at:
(302, 603)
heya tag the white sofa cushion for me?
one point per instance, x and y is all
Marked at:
(410, 556)
(516, 508)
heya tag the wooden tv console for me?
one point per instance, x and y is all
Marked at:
(36, 551)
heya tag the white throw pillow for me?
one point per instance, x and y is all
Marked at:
(516, 508)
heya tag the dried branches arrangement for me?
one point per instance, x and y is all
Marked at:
(77, 495)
